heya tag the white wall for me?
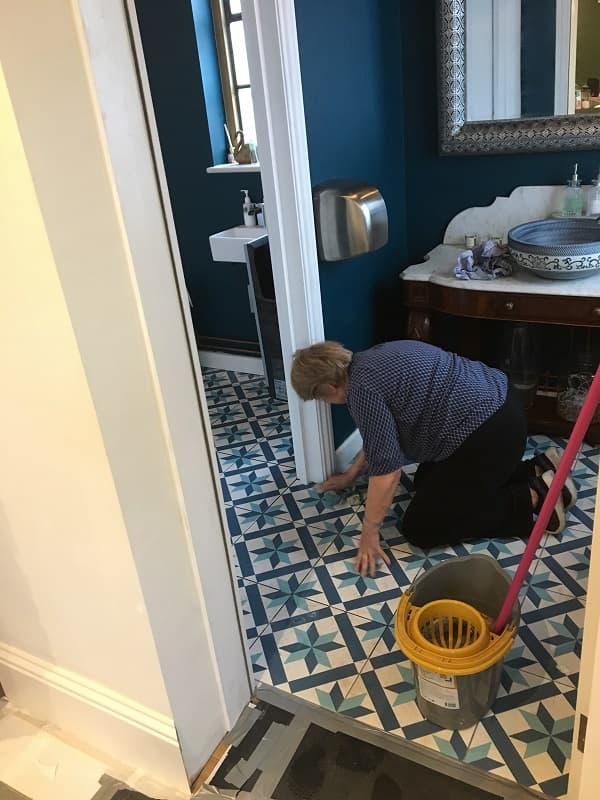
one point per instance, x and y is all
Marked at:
(82, 126)
(71, 594)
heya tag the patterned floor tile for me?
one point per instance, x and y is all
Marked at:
(312, 650)
(288, 596)
(527, 737)
(226, 414)
(274, 425)
(319, 630)
(266, 406)
(211, 378)
(389, 683)
(221, 395)
(343, 587)
(281, 551)
(256, 483)
(570, 557)
(347, 696)
(278, 448)
(308, 503)
(549, 639)
(257, 515)
(255, 614)
(507, 552)
(234, 434)
(552, 571)
(337, 534)
(245, 456)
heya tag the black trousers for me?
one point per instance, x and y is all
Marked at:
(480, 491)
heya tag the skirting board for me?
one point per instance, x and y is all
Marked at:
(231, 362)
(99, 717)
(346, 452)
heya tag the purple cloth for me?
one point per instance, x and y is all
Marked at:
(485, 262)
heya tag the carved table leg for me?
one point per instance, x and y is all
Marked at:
(419, 324)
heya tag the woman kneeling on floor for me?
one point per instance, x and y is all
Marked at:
(458, 419)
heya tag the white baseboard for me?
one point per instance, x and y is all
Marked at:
(346, 452)
(253, 365)
(99, 717)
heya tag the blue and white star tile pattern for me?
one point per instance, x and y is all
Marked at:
(318, 630)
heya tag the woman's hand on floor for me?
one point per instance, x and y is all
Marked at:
(337, 483)
(369, 550)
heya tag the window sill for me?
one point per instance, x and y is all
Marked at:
(234, 168)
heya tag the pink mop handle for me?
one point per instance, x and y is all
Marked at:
(582, 423)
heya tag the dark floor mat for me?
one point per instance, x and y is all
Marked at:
(127, 794)
(328, 766)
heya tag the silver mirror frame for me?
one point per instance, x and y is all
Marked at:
(459, 137)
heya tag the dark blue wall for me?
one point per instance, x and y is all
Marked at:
(538, 48)
(437, 187)
(202, 204)
(352, 85)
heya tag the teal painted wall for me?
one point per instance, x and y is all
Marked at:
(202, 204)
(350, 56)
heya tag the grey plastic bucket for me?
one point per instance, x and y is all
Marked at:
(457, 702)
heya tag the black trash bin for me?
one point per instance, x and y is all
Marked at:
(261, 277)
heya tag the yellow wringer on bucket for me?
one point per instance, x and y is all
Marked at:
(456, 656)
(449, 637)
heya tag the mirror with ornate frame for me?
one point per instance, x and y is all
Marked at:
(518, 75)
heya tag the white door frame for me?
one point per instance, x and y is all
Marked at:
(272, 45)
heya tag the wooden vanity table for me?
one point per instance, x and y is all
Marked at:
(523, 297)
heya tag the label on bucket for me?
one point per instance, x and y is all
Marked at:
(438, 689)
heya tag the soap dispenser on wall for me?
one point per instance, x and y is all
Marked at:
(249, 209)
(573, 197)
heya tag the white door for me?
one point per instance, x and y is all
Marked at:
(583, 780)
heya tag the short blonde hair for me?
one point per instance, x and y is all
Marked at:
(320, 365)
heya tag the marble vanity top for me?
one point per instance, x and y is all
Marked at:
(524, 204)
(439, 268)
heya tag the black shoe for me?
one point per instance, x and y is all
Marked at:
(549, 460)
(557, 521)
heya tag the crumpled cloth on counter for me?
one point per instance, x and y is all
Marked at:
(486, 262)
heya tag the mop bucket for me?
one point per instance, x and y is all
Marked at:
(444, 626)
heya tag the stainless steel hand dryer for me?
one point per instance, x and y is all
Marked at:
(350, 219)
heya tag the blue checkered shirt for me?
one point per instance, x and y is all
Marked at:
(413, 402)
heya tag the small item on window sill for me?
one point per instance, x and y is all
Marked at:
(470, 241)
(230, 153)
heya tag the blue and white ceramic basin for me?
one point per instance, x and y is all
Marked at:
(557, 248)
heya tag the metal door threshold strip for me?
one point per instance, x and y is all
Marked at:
(283, 748)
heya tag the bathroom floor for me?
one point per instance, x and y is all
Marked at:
(320, 631)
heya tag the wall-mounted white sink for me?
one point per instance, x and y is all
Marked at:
(229, 245)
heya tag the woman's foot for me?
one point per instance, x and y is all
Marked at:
(549, 460)
(539, 489)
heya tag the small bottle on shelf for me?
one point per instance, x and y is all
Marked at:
(573, 197)
(592, 207)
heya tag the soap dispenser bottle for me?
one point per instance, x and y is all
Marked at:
(249, 209)
(593, 199)
(573, 197)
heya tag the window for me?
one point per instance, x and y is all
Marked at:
(233, 66)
